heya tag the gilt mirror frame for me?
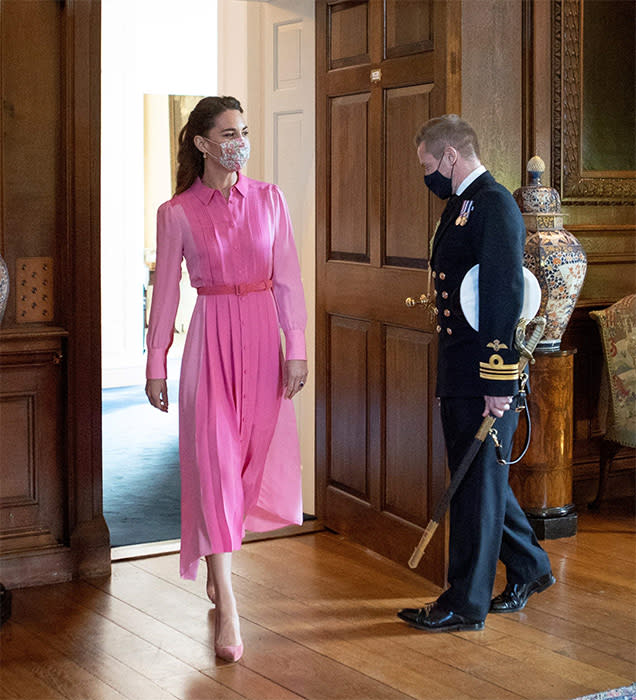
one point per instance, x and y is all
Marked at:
(575, 184)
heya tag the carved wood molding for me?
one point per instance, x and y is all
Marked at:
(575, 185)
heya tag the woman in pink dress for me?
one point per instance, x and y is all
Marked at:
(238, 444)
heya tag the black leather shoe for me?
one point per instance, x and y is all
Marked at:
(433, 618)
(515, 595)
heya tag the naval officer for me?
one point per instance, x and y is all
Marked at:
(477, 375)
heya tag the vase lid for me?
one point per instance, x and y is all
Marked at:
(535, 197)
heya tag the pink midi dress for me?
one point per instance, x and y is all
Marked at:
(238, 443)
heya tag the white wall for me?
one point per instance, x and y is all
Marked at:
(148, 47)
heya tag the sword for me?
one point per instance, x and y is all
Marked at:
(526, 349)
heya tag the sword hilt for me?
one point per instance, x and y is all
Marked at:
(484, 428)
(526, 348)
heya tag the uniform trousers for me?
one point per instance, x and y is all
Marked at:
(486, 521)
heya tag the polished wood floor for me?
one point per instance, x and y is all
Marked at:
(318, 621)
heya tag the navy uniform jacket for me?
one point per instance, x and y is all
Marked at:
(472, 363)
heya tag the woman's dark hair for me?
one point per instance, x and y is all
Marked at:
(202, 118)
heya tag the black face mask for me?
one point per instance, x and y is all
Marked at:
(439, 184)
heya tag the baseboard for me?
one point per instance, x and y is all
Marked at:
(155, 549)
(146, 549)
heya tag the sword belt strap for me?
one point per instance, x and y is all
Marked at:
(238, 289)
(493, 434)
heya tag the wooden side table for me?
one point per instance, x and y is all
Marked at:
(542, 481)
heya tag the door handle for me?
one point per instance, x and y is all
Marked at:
(412, 302)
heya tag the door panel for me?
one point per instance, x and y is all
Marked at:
(408, 27)
(381, 70)
(349, 144)
(407, 356)
(348, 38)
(406, 109)
(348, 400)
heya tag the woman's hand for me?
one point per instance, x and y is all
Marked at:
(496, 405)
(157, 393)
(294, 377)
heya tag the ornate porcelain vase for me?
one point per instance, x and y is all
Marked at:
(553, 254)
(4, 287)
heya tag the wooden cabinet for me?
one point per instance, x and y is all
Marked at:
(32, 474)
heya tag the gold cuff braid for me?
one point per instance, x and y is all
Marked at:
(496, 369)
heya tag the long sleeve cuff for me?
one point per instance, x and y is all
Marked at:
(156, 364)
(295, 345)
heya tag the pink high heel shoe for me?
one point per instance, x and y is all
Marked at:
(230, 653)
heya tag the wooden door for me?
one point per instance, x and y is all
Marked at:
(382, 68)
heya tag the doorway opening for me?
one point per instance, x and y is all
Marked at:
(262, 52)
(141, 118)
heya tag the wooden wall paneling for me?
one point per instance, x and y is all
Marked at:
(611, 260)
(553, 60)
(33, 525)
(90, 539)
(49, 175)
(32, 135)
(492, 85)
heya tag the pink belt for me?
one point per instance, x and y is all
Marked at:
(238, 289)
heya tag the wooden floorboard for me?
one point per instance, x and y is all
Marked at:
(318, 621)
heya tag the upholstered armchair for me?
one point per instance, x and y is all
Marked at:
(617, 404)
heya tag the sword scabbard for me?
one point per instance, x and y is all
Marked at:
(418, 552)
(482, 433)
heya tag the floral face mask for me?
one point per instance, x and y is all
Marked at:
(234, 153)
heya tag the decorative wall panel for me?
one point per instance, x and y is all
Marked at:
(288, 139)
(287, 55)
(31, 473)
(17, 421)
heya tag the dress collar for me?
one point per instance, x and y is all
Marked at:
(205, 194)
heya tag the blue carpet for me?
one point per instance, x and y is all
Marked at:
(141, 467)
